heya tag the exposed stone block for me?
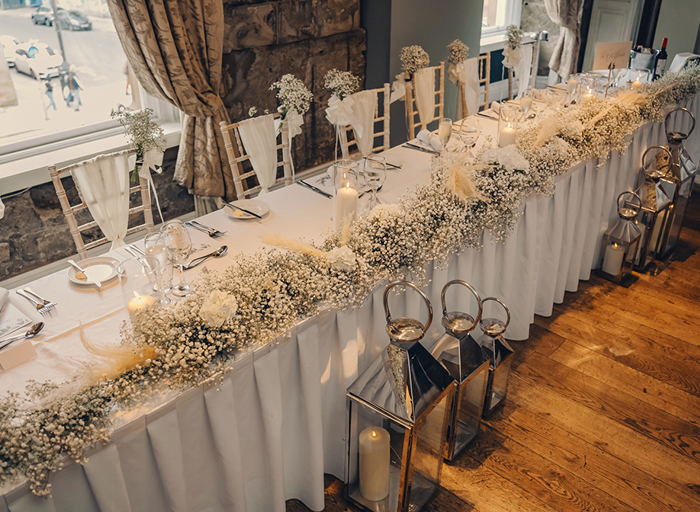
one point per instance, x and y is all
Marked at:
(4, 251)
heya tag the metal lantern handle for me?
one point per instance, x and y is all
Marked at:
(471, 289)
(680, 109)
(631, 207)
(505, 308)
(420, 292)
(665, 150)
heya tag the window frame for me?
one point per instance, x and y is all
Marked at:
(513, 14)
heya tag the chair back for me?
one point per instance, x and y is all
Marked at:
(244, 177)
(532, 80)
(381, 124)
(69, 210)
(484, 78)
(414, 124)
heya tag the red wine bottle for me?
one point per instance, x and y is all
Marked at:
(661, 60)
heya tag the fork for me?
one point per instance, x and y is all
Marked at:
(50, 306)
(212, 232)
(39, 306)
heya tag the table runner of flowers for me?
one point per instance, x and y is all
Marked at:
(264, 295)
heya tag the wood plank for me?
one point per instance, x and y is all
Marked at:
(616, 477)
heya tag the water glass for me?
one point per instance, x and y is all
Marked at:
(177, 240)
(375, 175)
(155, 247)
(444, 131)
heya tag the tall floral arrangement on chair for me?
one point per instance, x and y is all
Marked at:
(511, 53)
(458, 54)
(146, 137)
(341, 84)
(413, 59)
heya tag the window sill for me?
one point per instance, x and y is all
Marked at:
(32, 170)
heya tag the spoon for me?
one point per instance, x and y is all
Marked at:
(80, 274)
(33, 331)
(215, 254)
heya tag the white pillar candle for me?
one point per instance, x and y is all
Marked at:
(345, 205)
(571, 86)
(507, 136)
(636, 85)
(139, 302)
(588, 96)
(612, 262)
(374, 463)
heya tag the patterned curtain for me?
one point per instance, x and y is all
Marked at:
(567, 14)
(175, 49)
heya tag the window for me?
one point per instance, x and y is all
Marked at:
(46, 55)
(498, 14)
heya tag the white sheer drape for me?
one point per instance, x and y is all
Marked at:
(470, 76)
(523, 70)
(104, 185)
(567, 14)
(260, 142)
(364, 103)
(425, 95)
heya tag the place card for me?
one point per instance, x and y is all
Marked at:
(16, 354)
(616, 55)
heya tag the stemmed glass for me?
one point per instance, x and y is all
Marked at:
(444, 131)
(156, 248)
(469, 133)
(375, 174)
(179, 246)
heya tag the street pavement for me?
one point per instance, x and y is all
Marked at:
(99, 59)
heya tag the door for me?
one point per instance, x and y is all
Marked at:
(611, 21)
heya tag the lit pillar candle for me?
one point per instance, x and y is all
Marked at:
(588, 95)
(139, 302)
(345, 205)
(571, 86)
(636, 85)
(612, 262)
(374, 463)
(507, 136)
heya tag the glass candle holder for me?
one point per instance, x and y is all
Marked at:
(507, 125)
(139, 279)
(345, 179)
(156, 247)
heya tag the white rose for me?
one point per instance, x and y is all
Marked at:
(341, 258)
(218, 308)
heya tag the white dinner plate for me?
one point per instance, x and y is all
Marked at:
(100, 268)
(253, 205)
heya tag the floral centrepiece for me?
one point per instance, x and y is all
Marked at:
(263, 295)
(292, 95)
(413, 58)
(143, 132)
(458, 52)
(341, 83)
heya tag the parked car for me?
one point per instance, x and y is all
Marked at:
(44, 15)
(38, 60)
(10, 45)
(73, 20)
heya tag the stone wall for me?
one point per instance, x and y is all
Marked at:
(34, 231)
(307, 38)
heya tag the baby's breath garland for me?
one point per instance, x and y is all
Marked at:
(264, 295)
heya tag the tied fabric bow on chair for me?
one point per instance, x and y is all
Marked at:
(152, 161)
(339, 111)
(259, 138)
(398, 88)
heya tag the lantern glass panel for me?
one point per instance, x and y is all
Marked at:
(501, 356)
(470, 403)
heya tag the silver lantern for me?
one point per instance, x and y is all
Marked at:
(620, 242)
(499, 354)
(683, 171)
(397, 413)
(463, 358)
(656, 189)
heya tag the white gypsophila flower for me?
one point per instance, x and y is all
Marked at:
(509, 157)
(341, 83)
(219, 307)
(413, 58)
(341, 258)
(252, 111)
(293, 94)
(458, 52)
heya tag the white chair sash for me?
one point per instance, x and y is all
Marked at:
(523, 69)
(104, 185)
(259, 139)
(362, 120)
(152, 161)
(2, 209)
(425, 95)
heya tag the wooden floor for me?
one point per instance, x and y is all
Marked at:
(603, 409)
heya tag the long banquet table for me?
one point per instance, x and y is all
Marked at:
(269, 428)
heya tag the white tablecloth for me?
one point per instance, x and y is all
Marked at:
(274, 424)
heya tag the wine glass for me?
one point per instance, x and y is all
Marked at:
(178, 243)
(444, 131)
(526, 103)
(156, 248)
(375, 174)
(469, 133)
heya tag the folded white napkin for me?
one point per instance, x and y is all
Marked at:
(495, 106)
(680, 60)
(429, 139)
(4, 296)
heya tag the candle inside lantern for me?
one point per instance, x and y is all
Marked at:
(506, 136)
(138, 303)
(636, 86)
(345, 203)
(374, 463)
(571, 86)
(612, 262)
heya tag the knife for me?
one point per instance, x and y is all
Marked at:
(317, 190)
(243, 210)
(419, 148)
